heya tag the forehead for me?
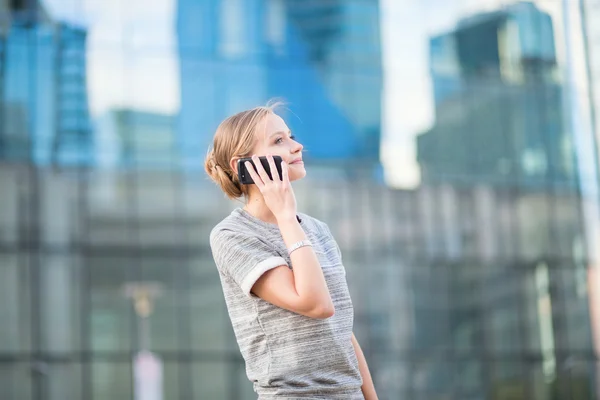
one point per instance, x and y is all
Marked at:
(271, 124)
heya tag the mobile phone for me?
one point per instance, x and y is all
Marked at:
(245, 177)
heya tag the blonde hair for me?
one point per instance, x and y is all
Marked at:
(235, 138)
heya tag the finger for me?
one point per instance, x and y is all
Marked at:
(261, 171)
(284, 172)
(255, 177)
(274, 172)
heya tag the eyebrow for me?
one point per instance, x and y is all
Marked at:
(279, 132)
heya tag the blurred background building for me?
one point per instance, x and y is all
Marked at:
(475, 281)
(43, 72)
(498, 95)
(322, 58)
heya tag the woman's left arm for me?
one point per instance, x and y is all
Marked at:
(368, 388)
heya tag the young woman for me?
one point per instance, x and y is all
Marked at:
(281, 271)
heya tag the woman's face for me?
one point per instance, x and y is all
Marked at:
(275, 138)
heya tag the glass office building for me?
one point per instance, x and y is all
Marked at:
(322, 58)
(478, 282)
(497, 95)
(43, 77)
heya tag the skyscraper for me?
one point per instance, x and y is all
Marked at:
(322, 59)
(499, 114)
(44, 101)
(502, 133)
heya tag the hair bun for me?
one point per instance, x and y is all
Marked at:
(221, 177)
(211, 163)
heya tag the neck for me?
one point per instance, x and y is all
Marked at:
(257, 207)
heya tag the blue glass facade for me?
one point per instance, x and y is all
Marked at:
(46, 116)
(323, 60)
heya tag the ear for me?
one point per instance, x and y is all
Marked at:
(233, 164)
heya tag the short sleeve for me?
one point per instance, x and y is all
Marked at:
(243, 257)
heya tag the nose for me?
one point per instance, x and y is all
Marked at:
(296, 147)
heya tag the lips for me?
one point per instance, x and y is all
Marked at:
(297, 161)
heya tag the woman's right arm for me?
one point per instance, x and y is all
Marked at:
(303, 289)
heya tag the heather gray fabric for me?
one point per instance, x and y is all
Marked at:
(288, 356)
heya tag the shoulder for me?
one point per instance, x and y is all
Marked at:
(230, 227)
(238, 229)
(315, 225)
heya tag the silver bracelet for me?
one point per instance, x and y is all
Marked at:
(297, 245)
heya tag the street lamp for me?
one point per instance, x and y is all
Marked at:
(147, 366)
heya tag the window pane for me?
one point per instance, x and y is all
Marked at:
(111, 381)
(15, 304)
(65, 382)
(111, 312)
(213, 380)
(60, 305)
(210, 324)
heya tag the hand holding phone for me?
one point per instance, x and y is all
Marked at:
(245, 177)
(273, 183)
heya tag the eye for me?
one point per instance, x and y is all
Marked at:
(280, 139)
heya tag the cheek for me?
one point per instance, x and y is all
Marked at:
(259, 150)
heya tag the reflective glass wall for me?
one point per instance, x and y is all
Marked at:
(451, 147)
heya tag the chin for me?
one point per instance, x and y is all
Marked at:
(297, 174)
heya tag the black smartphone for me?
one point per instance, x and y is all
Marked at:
(245, 177)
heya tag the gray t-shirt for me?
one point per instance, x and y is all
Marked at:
(288, 355)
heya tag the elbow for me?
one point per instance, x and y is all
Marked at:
(313, 308)
(322, 311)
(326, 312)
